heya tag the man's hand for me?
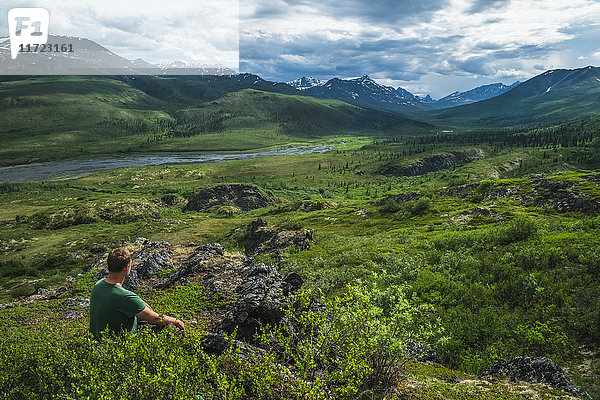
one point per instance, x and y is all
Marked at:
(179, 323)
(148, 314)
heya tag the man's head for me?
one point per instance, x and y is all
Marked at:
(118, 259)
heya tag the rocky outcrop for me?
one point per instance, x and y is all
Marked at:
(560, 195)
(196, 263)
(433, 163)
(244, 197)
(536, 370)
(154, 262)
(563, 197)
(265, 239)
(421, 353)
(261, 301)
(257, 292)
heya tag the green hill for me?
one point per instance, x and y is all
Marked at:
(53, 118)
(301, 116)
(552, 97)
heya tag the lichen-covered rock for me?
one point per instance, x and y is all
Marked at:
(77, 302)
(563, 197)
(421, 353)
(261, 300)
(536, 370)
(433, 163)
(244, 197)
(132, 281)
(152, 263)
(193, 264)
(262, 238)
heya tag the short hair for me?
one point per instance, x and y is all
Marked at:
(118, 259)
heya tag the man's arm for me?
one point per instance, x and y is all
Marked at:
(148, 314)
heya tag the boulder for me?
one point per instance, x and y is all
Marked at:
(244, 197)
(132, 281)
(261, 301)
(152, 263)
(536, 370)
(262, 238)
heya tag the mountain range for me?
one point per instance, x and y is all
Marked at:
(364, 91)
(90, 58)
(470, 96)
(552, 97)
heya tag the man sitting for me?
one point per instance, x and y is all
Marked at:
(117, 308)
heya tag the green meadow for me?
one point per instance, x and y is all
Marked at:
(518, 278)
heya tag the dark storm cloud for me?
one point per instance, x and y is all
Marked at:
(526, 51)
(475, 65)
(279, 57)
(480, 6)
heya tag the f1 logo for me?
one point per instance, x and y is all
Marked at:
(27, 26)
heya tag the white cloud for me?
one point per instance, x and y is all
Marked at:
(205, 31)
(509, 39)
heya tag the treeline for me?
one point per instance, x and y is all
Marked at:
(577, 133)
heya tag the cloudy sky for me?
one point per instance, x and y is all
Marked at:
(426, 46)
(434, 47)
(158, 31)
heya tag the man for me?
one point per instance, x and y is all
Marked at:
(117, 308)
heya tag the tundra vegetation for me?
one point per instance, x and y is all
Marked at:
(493, 257)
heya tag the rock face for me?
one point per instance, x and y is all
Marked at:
(262, 238)
(244, 197)
(261, 299)
(536, 370)
(563, 197)
(434, 163)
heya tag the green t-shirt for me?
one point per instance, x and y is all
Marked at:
(113, 306)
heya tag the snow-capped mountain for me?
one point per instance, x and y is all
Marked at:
(474, 95)
(90, 58)
(425, 100)
(305, 83)
(364, 91)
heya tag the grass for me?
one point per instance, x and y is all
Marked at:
(487, 277)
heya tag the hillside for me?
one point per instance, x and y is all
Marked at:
(251, 331)
(54, 118)
(552, 97)
(301, 116)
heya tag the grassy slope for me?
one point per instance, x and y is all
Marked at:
(531, 102)
(75, 117)
(462, 267)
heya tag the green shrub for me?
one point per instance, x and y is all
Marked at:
(542, 339)
(518, 229)
(356, 344)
